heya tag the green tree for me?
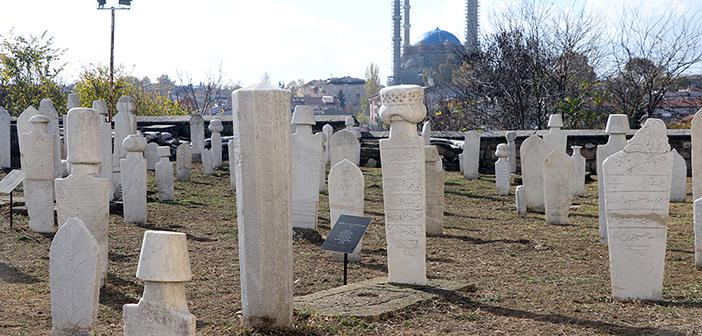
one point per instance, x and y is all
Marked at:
(372, 87)
(29, 70)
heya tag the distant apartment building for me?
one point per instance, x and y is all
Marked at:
(341, 95)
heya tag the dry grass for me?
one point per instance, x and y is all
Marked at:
(531, 279)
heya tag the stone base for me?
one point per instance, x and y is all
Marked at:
(374, 298)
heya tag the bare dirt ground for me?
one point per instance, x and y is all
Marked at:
(529, 278)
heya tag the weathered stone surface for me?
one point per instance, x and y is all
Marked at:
(460, 162)
(184, 162)
(46, 107)
(84, 194)
(207, 162)
(265, 239)
(637, 191)
(164, 266)
(197, 136)
(4, 138)
(520, 201)
(164, 175)
(216, 142)
(617, 127)
(346, 192)
(306, 157)
(556, 138)
(24, 126)
(434, 180)
(678, 185)
(344, 145)
(502, 169)
(323, 162)
(532, 153)
(123, 120)
(374, 298)
(232, 164)
(37, 153)
(558, 184)
(697, 228)
(151, 155)
(133, 170)
(426, 132)
(696, 132)
(105, 141)
(350, 124)
(578, 171)
(404, 188)
(328, 130)
(74, 274)
(511, 136)
(471, 155)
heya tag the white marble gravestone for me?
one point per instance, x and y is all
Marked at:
(460, 161)
(344, 145)
(404, 188)
(216, 142)
(434, 179)
(25, 126)
(74, 276)
(346, 194)
(37, 153)
(232, 164)
(184, 162)
(426, 132)
(151, 155)
(502, 169)
(197, 136)
(578, 171)
(617, 127)
(511, 137)
(323, 162)
(84, 193)
(696, 133)
(678, 183)
(105, 140)
(265, 239)
(164, 266)
(697, 228)
(637, 191)
(164, 174)
(133, 170)
(306, 157)
(532, 153)
(350, 124)
(207, 162)
(46, 107)
(5, 159)
(328, 130)
(558, 187)
(471, 155)
(519, 200)
(123, 127)
(555, 138)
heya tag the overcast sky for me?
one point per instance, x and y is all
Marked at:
(289, 39)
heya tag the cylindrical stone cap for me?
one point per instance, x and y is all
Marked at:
(555, 120)
(73, 101)
(100, 106)
(502, 150)
(164, 257)
(83, 134)
(511, 135)
(402, 102)
(303, 115)
(40, 121)
(617, 124)
(164, 151)
(134, 143)
(215, 125)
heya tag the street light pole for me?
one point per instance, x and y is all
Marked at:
(111, 99)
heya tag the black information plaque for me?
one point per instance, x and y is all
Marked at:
(346, 233)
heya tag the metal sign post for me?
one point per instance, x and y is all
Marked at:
(345, 236)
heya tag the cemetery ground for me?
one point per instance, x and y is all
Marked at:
(527, 278)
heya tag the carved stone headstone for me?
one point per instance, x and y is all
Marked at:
(123, 127)
(133, 170)
(555, 138)
(105, 140)
(164, 266)
(520, 201)
(511, 137)
(532, 153)
(164, 174)
(24, 126)
(404, 192)
(578, 171)
(502, 169)
(328, 131)
(84, 194)
(46, 108)
(426, 132)
(197, 136)
(558, 184)
(471, 155)
(637, 191)
(617, 127)
(216, 142)
(151, 155)
(74, 275)
(37, 153)
(265, 239)
(697, 228)
(678, 185)
(5, 159)
(346, 193)
(184, 162)
(434, 180)
(323, 162)
(696, 133)
(350, 124)
(207, 162)
(344, 145)
(232, 164)
(306, 157)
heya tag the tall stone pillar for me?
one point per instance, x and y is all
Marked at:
(307, 156)
(617, 127)
(197, 136)
(37, 151)
(216, 142)
(164, 174)
(133, 170)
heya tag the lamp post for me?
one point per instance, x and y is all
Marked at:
(123, 5)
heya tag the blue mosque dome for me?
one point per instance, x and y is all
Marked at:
(438, 37)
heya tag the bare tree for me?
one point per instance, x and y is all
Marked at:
(201, 98)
